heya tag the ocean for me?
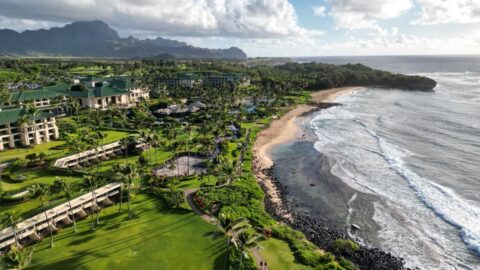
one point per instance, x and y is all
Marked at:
(403, 165)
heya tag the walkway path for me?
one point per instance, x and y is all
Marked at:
(189, 194)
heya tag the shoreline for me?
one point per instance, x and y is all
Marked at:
(317, 230)
(284, 130)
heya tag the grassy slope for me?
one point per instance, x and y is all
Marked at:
(155, 239)
(278, 256)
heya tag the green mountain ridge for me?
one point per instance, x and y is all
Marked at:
(97, 39)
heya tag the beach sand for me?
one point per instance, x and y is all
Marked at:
(281, 131)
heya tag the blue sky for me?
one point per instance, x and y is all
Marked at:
(274, 27)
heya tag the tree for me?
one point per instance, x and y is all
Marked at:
(41, 191)
(128, 172)
(5, 94)
(247, 240)
(67, 190)
(32, 111)
(121, 179)
(125, 142)
(232, 232)
(11, 219)
(91, 182)
(17, 258)
(23, 124)
(74, 106)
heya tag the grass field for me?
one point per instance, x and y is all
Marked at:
(54, 149)
(157, 238)
(278, 256)
(6, 74)
(89, 70)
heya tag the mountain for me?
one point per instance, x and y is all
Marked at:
(97, 39)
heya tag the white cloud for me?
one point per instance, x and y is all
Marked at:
(391, 43)
(365, 14)
(448, 11)
(319, 11)
(236, 18)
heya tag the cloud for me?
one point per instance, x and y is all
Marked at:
(365, 14)
(319, 11)
(448, 11)
(391, 43)
(235, 18)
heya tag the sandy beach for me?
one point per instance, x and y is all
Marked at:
(281, 131)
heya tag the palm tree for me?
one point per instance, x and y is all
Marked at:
(156, 142)
(5, 94)
(33, 112)
(17, 258)
(125, 142)
(74, 106)
(232, 232)
(41, 191)
(67, 190)
(147, 138)
(90, 180)
(11, 219)
(247, 240)
(128, 172)
(23, 124)
(120, 178)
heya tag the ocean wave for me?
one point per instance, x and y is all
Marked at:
(443, 201)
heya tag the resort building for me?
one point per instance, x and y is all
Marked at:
(14, 133)
(91, 93)
(179, 110)
(33, 228)
(181, 79)
(43, 97)
(205, 78)
(234, 79)
(86, 158)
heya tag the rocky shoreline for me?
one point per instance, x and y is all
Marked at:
(321, 232)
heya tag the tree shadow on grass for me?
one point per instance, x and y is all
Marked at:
(81, 240)
(112, 247)
(219, 262)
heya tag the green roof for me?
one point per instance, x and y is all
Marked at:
(13, 115)
(46, 92)
(115, 86)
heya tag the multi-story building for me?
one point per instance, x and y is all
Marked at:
(205, 78)
(19, 129)
(96, 93)
(100, 94)
(14, 132)
(235, 79)
(43, 97)
(181, 79)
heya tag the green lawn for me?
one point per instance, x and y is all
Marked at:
(157, 238)
(22, 152)
(278, 256)
(54, 149)
(34, 176)
(89, 70)
(8, 74)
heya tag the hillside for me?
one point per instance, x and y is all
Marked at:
(97, 39)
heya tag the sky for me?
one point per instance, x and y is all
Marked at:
(282, 28)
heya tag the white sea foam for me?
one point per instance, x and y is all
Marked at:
(442, 200)
(433, 227)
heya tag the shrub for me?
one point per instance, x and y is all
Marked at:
(173, 197)
(234, 261)
(346, 264)
(345, 246)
